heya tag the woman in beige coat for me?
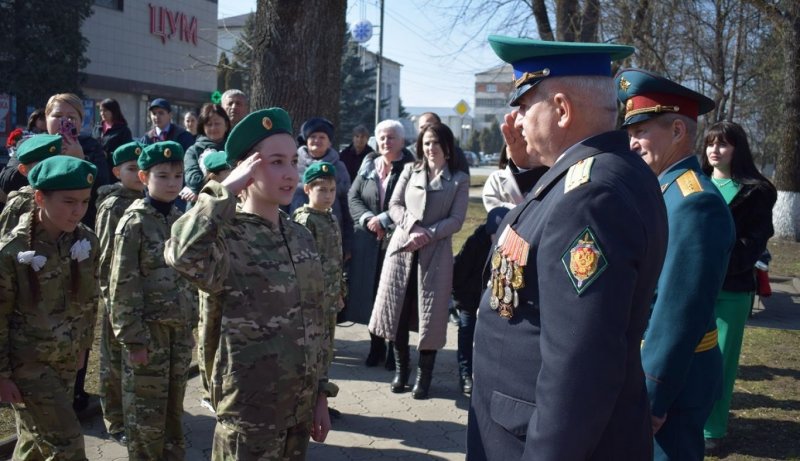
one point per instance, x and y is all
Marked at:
(428, 206)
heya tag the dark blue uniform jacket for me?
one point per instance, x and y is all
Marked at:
(562, 379)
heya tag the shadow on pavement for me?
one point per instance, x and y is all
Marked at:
(746, 401)
(765, 373)
(746, 437)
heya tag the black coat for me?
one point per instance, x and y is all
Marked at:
(751, 209)
(175, 133)
(562, 379)
(10, 178)
(353, 160)
(116, 136)
(470, 271)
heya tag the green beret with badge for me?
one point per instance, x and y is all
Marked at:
(126, 153)
(38, 147)
(253, 128)
(536, 60)
(319, 170)
(216, 161)
(647, 95)
(62, 172)
(160, 152)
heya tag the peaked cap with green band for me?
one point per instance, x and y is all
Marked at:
(62, 172)
(536, 60)
(253, 128)
(216, 161)
(319, 170)
(38, 147)
(160, 152)
(126, 153)
(647, 95)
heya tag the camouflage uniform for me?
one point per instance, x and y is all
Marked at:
(112, 200)
(208, 327)
(325, 229)
(43, 337)
(19, 202)
(269, 367)
(150, 309)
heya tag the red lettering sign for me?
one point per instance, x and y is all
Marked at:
(164, 23)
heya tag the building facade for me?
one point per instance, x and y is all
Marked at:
(492, 92)
(139, 51)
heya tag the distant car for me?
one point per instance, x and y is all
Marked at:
(472, 158)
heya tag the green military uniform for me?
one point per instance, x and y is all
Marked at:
(150, 309)
(112, 200)
(269, 367)
(48, 294)
(34, 149)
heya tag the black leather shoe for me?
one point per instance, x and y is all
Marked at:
(119, 437)
(81, 402)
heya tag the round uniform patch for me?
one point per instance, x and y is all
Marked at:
(167, 153)
(267, 123)
(52, 149)
(325, 168)
(138, 151)
(90, 178)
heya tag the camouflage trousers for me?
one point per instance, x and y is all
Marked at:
(110, 377)
(330, 325)
(285, 445)
(47, 426)
(208, 326)
(153, 395)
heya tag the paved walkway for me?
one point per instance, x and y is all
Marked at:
(375, 424)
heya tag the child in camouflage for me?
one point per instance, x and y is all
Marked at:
(112, 201)
(269, 380)
(48, 299)
(151, 312)
(319, 184)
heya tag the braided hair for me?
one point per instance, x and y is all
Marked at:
(33, 279)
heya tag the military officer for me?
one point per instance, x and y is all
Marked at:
(681, 360)
(557, 370)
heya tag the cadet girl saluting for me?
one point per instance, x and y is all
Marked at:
(269, 380)
(48, 299)
(150, 312)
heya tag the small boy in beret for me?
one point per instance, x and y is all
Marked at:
(150, 310)
(319, 184)
(30, 152)
(113, 200)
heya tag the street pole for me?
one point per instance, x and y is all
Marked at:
(379, 69)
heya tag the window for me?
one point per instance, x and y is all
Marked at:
(491, 88)
(490, 102)
(489, 118)
(112, 4)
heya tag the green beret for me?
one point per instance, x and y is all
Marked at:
(647, 95)
(160, 152)
(62, 172)
(535, 60)
(319, 170)
(253, 128)
(126, 153)
(216, 161)
(38, 147)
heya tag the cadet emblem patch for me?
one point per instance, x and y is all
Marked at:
(138, 151)
(584, 260)
(167, 153)
(266, 122)
(52, 149)
(688, 183)
(90, 178)
(578, 174)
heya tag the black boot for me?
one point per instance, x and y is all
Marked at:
(377, 350)
(401, 369)
(465, 383)
(389, 365)
(424, 375)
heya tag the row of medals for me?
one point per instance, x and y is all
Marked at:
(509, 259)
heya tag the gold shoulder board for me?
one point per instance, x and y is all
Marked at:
(688, 183)
(578, 174)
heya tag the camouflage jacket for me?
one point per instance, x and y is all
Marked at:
(325, 229)
(19, 202)
(54, 328)
(112, 200)
(142, 288)
(266, 279)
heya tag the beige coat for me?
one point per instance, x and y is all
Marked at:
(440, 206)
(501, 189)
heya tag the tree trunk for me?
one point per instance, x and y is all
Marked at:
(297, 57)
(590, 21)
(786, 214)
(567, 20)
(542, 20)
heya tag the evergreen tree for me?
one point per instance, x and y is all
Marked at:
(474, 143)
(43, 49)
(357, 96)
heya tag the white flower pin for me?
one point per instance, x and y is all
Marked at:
(80, 250)
(32, 259)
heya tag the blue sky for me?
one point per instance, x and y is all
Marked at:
(420, 35)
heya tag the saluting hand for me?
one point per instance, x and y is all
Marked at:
(9, 391)
(517, 146)
(242, 175)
